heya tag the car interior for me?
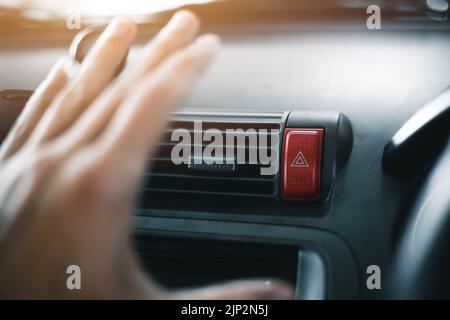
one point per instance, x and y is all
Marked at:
(358, 118)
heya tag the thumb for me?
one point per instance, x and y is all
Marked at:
(238, 290)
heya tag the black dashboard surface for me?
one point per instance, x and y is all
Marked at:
(377, 78)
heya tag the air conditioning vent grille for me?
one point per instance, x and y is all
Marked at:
(228, 179)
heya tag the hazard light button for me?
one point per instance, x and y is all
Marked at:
(301, 164)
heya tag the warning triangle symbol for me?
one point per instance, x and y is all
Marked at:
(300, 161)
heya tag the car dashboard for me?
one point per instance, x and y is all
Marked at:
(359, 85)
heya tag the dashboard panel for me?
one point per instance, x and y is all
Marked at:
(378, 79)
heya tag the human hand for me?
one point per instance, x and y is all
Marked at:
(71, 166)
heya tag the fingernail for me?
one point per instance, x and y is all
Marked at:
(278, 291)
(120, 27)
(181, 20)
(208, 42)
(64, 65)
(278, 295)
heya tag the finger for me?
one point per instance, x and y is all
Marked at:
(35, 108)
(95, 73)
(140, 119)
(239, 290)
(180, 31)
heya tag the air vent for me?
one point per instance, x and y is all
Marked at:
(237, 175)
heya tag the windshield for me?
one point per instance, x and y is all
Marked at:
(93, 9)
(150, 11)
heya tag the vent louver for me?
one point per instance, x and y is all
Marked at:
(229, 179)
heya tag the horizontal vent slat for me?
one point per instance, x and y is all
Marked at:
(224, 125)
(165, 166)
(173, 181)
(210, 185)
(232, 132)
(204, 144)
(199, 192)
(165, 151)
(183, 176)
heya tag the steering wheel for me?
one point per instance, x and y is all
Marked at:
(421, 260)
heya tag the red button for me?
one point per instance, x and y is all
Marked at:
(302, 159)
